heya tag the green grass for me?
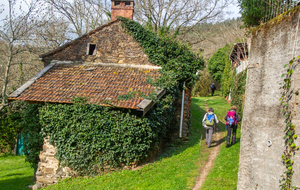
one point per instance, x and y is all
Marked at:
(224, 174)
(15, 173)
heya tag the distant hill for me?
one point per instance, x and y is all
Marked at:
(208, 37)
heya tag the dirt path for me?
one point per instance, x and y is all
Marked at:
(214, 151)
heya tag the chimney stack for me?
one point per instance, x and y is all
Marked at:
(122, 8)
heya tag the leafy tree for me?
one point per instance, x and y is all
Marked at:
(252, 11)
(216, 63)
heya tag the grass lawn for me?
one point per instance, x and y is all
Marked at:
(15, 173)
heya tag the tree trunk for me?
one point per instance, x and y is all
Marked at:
(5, 82)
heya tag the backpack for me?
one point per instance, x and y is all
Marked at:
(210, 119)
(213, 86)
(231, 118)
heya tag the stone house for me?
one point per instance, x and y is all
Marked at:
(100, 65)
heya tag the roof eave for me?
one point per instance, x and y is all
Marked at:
(146, 104)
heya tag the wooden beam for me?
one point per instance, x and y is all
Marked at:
(124, 65)
(146, 104)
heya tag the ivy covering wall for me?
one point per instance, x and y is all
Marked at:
(238, 91)
(227, 78)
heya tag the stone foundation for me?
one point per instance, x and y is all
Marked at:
(48, 171)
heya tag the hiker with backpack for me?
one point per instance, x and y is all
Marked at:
(209, 122)
(213, 88)
(232, 117)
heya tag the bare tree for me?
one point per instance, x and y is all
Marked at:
(178, 14)
(15, 32)
(82, 15)
(209, 37)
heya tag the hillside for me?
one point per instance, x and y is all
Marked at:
(208, 37)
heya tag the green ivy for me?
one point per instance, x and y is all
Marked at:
(227, 78)
(178, 62)
(10, 117)
(238, 91)
(89, 138)
(31, 132)
(290, 133)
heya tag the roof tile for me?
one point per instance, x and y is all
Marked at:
(63, 82)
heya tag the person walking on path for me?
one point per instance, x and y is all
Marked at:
(212, 88)
(209, 122)
(231, 118)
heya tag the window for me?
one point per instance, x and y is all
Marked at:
(91, 49)
(127, 3)
(117, 3)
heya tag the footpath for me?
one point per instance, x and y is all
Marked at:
(214, 151)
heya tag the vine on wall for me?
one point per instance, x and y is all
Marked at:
(31, 132)
(290, 133)
(238, 91)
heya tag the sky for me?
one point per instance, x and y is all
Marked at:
(232, 10)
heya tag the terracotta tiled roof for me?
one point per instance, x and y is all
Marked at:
(98, 83)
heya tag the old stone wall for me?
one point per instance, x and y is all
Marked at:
(113, 45)
(272, 46)
(48, 171)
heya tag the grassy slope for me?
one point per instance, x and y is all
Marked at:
(224, 174)
(178, 170)
(15, 174)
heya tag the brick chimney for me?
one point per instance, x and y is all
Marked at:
(122, 8)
